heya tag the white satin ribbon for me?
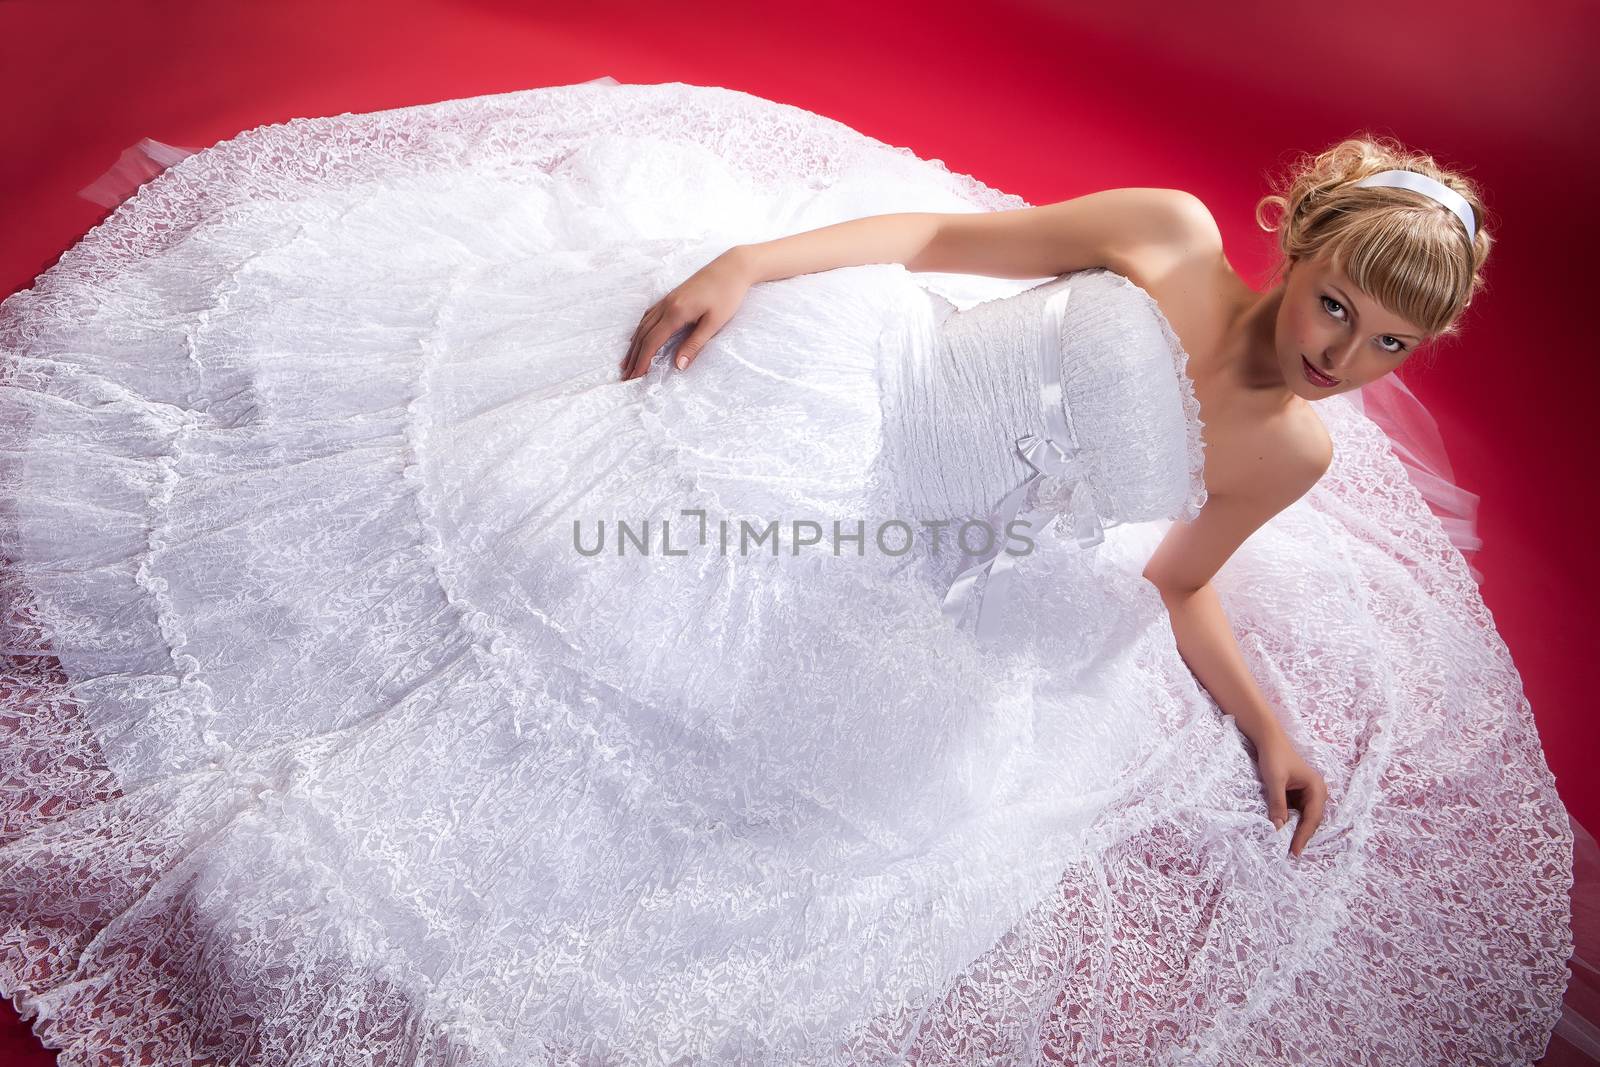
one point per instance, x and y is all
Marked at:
(1048, 456)
(1421, 183)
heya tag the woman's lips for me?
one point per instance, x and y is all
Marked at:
(1316, 377)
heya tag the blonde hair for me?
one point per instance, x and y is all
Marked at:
(1409, 251)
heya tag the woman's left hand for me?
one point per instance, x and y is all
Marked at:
(1284, 772)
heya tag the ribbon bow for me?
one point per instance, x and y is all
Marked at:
(1047, 457)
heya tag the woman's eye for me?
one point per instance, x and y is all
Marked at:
(1330, 305)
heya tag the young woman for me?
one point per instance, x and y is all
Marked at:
(922, 673)
(1256, 359)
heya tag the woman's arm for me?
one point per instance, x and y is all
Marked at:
(1192, 553)
(1182, 568)
(1112, 228)
(1206, 642)
(1102, 229)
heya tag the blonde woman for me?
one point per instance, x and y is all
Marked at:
(1001, 639)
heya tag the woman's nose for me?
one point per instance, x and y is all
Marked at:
(1336, 357)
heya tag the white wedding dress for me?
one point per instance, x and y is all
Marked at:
(330, 745)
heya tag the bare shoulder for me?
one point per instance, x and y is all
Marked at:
(1186, 271)
(1177, 227)
(1274, 458)
(1251, 476)
(1191, 221)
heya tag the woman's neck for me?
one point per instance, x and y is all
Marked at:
(1249, 351)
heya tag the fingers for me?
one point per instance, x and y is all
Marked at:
(641, 349)
(696, 341)
(1277, 807)
(1316, 794)
(655, 330)
(633, 343)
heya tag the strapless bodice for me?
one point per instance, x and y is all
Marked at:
(953, 417)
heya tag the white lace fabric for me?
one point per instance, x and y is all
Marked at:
(323, 744)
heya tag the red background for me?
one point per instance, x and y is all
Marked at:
(1046, 100)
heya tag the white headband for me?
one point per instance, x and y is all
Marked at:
(1421, 183)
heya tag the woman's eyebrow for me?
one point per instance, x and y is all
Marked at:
(1356, 315)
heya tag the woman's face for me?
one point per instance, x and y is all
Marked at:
(1342, 331)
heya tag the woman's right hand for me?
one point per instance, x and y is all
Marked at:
(708, 297)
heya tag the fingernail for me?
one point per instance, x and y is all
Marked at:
(683, 361)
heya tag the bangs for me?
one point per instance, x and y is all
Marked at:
(1402, 259)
